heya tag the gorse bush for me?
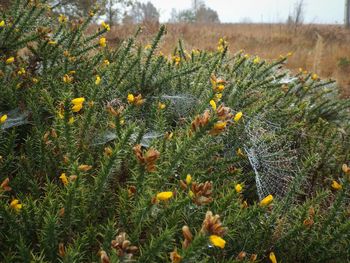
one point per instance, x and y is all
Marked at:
(126, 155)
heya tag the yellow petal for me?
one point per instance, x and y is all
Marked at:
(131, 98)
(98, 80)
(213, 104)
(336, 185)
(2, 23)
(188, 179)
(10, 60)
(3, 118)
(78, 100)
(164, 196)
(64, 179)
(217, 241)
(77, 107)
(272, 257)
(238, 188)
(266, 201)
(238, 116)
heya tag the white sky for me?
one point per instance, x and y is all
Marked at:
(268, 11)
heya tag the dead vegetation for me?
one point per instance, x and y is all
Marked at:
(321, 48)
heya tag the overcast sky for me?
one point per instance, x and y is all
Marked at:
(316, 11)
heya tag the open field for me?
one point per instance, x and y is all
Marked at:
(324, 49)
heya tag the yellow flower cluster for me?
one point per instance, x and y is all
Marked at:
(222, 45)
(16, 205)
(161, 106)
(2, 24)
(67, 78)
(135, 100)
(106, 26)
(102, 42)
(62, 18)
(77, 104)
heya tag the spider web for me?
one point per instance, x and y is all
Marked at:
(271, 156)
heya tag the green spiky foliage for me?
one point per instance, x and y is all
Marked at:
(78, 175)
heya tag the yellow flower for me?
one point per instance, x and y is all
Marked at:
(314, 76)
(2, 23)
(62, 19)
(71, 120)
(10, 60)
(220, 87)
(35, 80)
(217, 241)
(3, 118)
(256, 60)
(289, 54)
(21, 71)
(188, 179)
(239, 152)
(67, 78)
(177, 60)
(266, 201)
(272, 257)
(163, 196)
(218, 96)
(16, 205)
(131, 98)
(213, 104)
(64, 179)
(238, 188)
(149, 46)
(190, 194)
(238, 116)
(108, 151)
(77, 104)
(106, 26)
(136, 100)
(161, 106)
(336, 185)
(77, 107)
(103, 42)
(98, 80)
(106, 62)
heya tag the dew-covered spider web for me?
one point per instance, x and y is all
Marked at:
(271, 156)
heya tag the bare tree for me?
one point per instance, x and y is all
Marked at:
(297, 18)
(196, 4)
(347, 14)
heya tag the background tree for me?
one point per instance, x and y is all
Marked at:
(114, 8)
(206, 15)
(199, 13)
(142, 13)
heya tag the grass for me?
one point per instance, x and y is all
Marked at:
(317, 48)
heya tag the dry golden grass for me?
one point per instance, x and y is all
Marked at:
(316, 48)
